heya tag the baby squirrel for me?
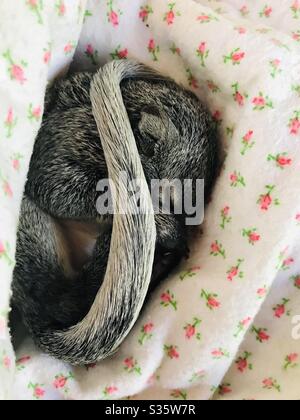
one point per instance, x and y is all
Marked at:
(81, 279)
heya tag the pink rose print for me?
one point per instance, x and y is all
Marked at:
(287, 263)
(191, 272)
(206, 18)
(237, 180)
(7, 188)
(295, 8)
(61, 381)
(16, 161)
(148, 328)
(197, 376)
(280, 309)
(271, 383)
(238, 97)
(171, 352)
(34, 113)
(242, 363)
(175, 50)
(217, 116)
(153, 49)
(179, 394)
(191, 329)
(38, 391)
(251, 235)
(298, 219)
(4, 250)
(212, 86)
(262, 292)
(129, 363)
(220, 353)
(91, 54)
(261, 334)
(10, 123)
(266, 12)
(6, 361)
(61, 8)
(32, 3)
(241, 30)
(113, 15)
(110, 391)
(291, 361)
(275, 67)
(119, 53)
(9, 118)
(211, 302)
(168, 299)
(226, 219)
(284, 262)
(296, 36)
(202, 52)
(21, 363)
(113, 18)
(262, 102)
(132, 366)
(224, 389)
(282, 160)
(244, 11)
(235, 271)
(191, 79)
(146, 333)
(217, 249)
(47, 55)
(294, 123)
(235, 57)
(36, 7)
(169, 16)
(296, 280)
(123, 53)
(144, 13)
(242, 326)
(247, 142)
(69, 48)
(16, 71)
(266, 200)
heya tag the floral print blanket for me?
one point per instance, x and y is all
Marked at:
(226, 324)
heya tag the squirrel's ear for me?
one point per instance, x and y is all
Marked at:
(152, 124)
(155, 126)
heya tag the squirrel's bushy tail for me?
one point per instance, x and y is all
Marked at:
(128, 274)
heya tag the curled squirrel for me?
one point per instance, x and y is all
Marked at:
(80, 280)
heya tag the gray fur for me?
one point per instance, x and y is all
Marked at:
(170, 132)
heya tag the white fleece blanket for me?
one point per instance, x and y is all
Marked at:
(226, 324)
